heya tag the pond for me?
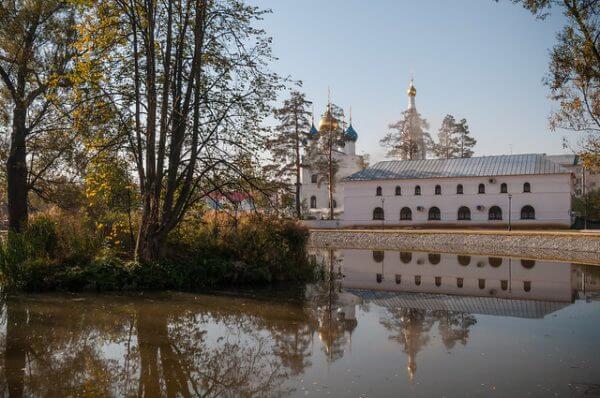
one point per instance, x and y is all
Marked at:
(389, 323)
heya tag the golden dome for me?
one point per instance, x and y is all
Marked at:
(412, 91)
(328, 122)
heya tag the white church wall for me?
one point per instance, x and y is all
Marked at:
(550, 196)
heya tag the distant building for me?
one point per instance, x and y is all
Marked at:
(460, 192)
(573, 163)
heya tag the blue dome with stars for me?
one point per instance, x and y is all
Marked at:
(351, 134)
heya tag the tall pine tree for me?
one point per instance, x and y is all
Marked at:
(454, 139)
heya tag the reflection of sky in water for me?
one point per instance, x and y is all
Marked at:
(384, 340)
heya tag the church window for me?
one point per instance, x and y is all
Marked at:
(398, 279)
(378, 191)
(527, 187)
(314, 178)
(378, 256)
(379, 278)
(481, 283)
(527, 213)
(527, 286)
(438, 190)
(406, 257)
(503, 188)
(405, 214)
(464, 260)
(495, 261)
(459, 282)
(434, 258)
(504, 284)
(398, 191)
(434, 214)
(438, 281)
(418, 190)
(418, 280)
(313, 202)
(528, 264)
(464, 213)
(459, 189)
(378, 214)
(481, 188)
(334, 204)
(495, 213)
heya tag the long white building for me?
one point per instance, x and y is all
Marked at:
(525, 189)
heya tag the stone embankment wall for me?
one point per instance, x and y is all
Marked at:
(560, 246)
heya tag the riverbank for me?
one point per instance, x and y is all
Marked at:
(568, 246)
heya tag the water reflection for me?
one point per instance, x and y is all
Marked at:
(375, 310)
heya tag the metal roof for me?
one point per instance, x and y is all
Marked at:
(485, 166)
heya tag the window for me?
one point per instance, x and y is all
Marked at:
(313, 202)
(378, 191)
(464, 213)
(418, 280)
(459, 189)
(398, 279)
(378, 256)
(481, 188)
(481, 284)
(314, 178)
(379, 278)
(464, 260)
(418, 190)
(503, 188)
(378, 214)
(528, 264)
(434, 258)
(434, 214)
(504, 284)
(438, 281)
(334, 204)
(398, 191)
(406, 257)
(527, 187)
(495, 261)
(495, 213)
(460, 282)
(527, 286)
(438, 190)
(527, 213)
(405, 214)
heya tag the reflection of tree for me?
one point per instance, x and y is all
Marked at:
(411, 328)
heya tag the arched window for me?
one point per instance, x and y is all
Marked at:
(378, 191)
(464, 260)
(503, 188)
(495, 261)
(418, 190)
(438, 281)
(434, 214)
(481, 283)
(379, 278)
(313, 202)
(527, 286)
(406, 257)
(378, 256)
(378, 214)
(398, 279)
(459, 189)
(460, 282)
(438, 190)
(528, 264)
(405, 214)
(495, 213)
(527, 187)
(398, 191)
(527, 213)
(481, 188)
(464, 213)
(418, 280)
(434, 258)
(314, 178)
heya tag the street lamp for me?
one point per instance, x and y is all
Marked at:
(509, 212)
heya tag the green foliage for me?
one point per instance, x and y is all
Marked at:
(61, 252)
(593, 205)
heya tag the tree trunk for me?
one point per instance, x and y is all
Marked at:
(16, 172)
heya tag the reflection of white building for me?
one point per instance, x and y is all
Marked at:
(315, 191)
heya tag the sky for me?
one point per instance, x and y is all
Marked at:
(476, 59)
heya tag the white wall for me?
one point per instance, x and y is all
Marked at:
(550, 196)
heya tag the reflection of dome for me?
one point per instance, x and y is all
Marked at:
(412, 91)
(351, 134)
(328, 122)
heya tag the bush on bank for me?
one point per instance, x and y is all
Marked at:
(69, 252)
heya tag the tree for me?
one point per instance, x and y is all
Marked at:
(322, 150)
(588, 205)
(190, 86)
(574, 70)
(454, 140)
(36, 54)
(294, 123)
(408, 138)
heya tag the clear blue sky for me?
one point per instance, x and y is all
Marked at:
(475, 59)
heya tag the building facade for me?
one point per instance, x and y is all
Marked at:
(524, 190)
